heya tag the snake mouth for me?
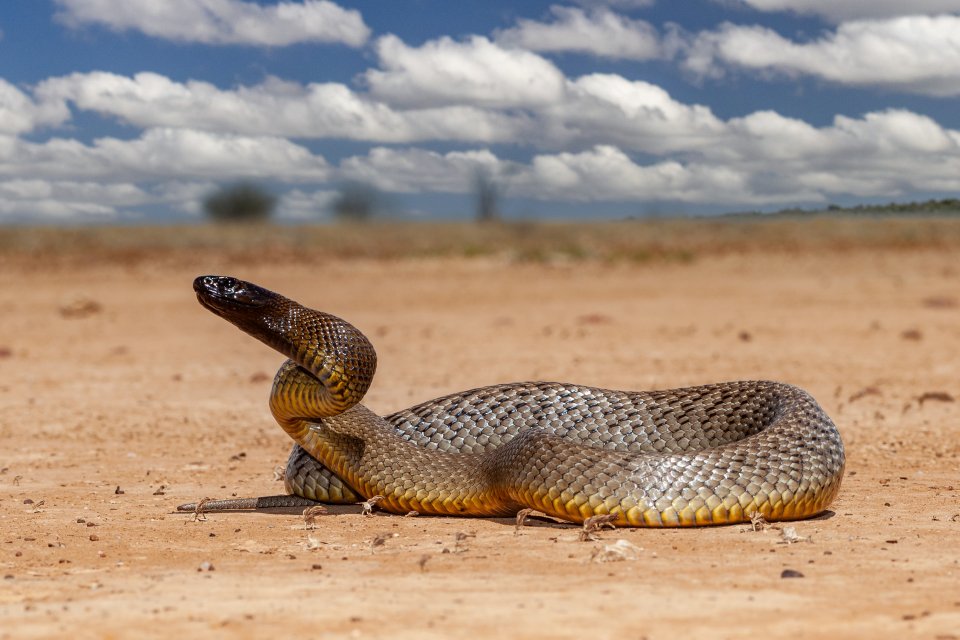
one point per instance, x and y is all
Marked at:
(224, 295)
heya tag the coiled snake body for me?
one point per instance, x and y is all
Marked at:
(711, 454)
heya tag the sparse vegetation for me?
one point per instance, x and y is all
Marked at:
(487, 194)
(241, 202)
(678, 241)
(946, 206)
(356, 202)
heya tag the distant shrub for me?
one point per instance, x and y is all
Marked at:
(356, 202)
(241, 202)
(487, 193)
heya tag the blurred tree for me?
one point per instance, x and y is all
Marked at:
(240, 202)
(485, 188)
(356, 202)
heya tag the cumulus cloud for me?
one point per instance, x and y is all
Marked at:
(70, 200)
(475, 71)
(161, 154)
(608, 108)
(884, 153)
(598, 32)
(274, 107)
(411, 170)
(21, 114)
(607, 173)
(919, 54)
(763, 158)
(66, 200)
(222, 21)
(65, 178)
(840, 10)
(594, 108)
(603, 173)
(596, 137)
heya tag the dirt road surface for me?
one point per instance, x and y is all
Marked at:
(121, 398)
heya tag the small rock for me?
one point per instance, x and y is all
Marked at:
(80, 308)
(617, 552)
(790, 573)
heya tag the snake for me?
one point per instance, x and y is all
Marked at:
(718, 453)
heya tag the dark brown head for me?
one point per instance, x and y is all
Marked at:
(330, 348)
(226, 296)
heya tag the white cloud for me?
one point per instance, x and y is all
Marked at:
(161, 154)
(64, 178)
(112, 194)
(20, 114)
(599, 32)
(70, 200)
(65, 200)
(763, 158)
(412, 170)
(886, 153)
(919, 54)
(609, 109)
(603, 173)
(607, 173)
(274, 107)
(840, 10)
(590, 138)
(475, 72)
(223, 21)
(597, 108)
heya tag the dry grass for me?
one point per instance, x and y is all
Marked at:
(673, 240)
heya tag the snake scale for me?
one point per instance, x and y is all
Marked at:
(711, 454)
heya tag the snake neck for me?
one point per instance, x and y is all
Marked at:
(299, 395)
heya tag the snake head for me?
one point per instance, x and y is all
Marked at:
(226, 296)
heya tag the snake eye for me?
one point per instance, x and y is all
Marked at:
(231, 287)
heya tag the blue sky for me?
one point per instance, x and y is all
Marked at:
(127, 110)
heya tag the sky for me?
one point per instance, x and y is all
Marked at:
(136, 110)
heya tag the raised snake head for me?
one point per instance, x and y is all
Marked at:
(331, 349)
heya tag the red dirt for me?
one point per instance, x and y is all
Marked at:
(123, 398)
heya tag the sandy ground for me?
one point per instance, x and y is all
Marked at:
(121, 398)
